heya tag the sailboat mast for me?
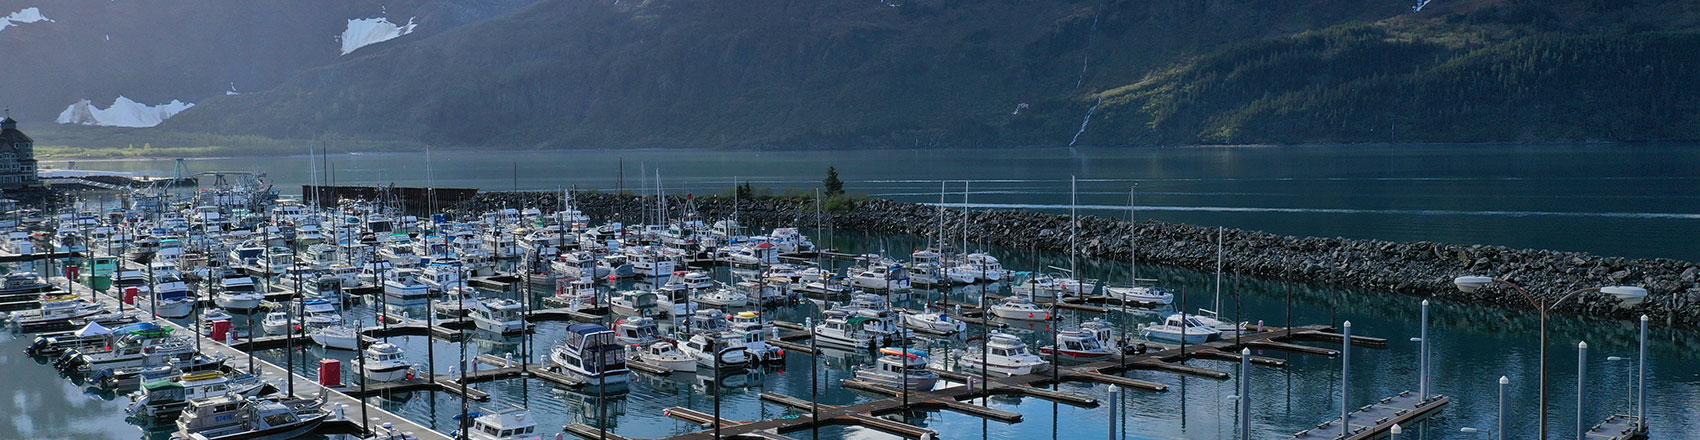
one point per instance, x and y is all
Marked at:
(940, 236)
(1133, 240)
(1217, 306)
(1073, 232)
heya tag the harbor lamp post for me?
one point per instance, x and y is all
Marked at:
(1628, 296)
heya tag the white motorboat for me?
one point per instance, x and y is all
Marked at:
(1140, 294)
(237, 292)
(590, 352)
(1180, 327)
(404, 286)
(234, 417)
(894, 366)
(320, 312)
(342, 336)
(56, 310)
(634, 303)
(937, 322)
(172, 297)
(723, 298)
(574, 294)
(276, 323)
(636, 331)
(507, 424)
(665, 355)
(881, 277)
(1077, 346)
(857, 328)
(981, 266)
(648, 262)
(385, 362)
(167, 397)
(457, 301)
(733, 352)
(499, 316)
(1005, 355)
(1019, 307)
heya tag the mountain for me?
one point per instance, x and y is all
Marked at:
(778, 73)
(130, 59)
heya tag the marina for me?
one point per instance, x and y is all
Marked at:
(947, 329)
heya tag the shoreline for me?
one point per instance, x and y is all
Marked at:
(1421, 269)
(803, 148)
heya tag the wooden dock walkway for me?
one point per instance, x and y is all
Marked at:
(1374, 420)
(1616, 427)
(305, 386)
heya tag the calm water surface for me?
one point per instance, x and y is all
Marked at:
(1622, 200)
(1614, 200)
(1473, 347)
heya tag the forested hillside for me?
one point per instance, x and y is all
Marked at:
(780, 73)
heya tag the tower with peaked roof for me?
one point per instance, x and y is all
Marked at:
(17, 157)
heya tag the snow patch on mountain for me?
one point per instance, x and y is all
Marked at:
(362, 32)
(25, 15)
(123, 113)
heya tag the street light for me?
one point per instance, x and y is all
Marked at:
(1627, 296)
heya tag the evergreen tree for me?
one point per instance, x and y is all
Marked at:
(833, 185)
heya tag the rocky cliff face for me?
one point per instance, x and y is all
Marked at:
(1423, 269)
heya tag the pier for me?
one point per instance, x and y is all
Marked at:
(1370, 421)
(336, 399)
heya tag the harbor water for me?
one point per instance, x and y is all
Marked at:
(1628, 201)
(1473, 346)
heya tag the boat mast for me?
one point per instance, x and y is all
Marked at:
(1073, 234)
(1217, 305)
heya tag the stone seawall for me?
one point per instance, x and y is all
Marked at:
(1424, 269)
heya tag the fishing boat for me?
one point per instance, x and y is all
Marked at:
(23, 282)
(457, 302)
(616, 267)
(981, 266)
(233, 417)
(276, 323)
(1077, 346)
(1020, 307)
(937, 322)
(665, 355)
(166, 398)
(756, 346)
(507, 424)
(1140, 294)
(155, 346)
(574, 294)
(723, 298)
(857, 328)
(405, 287)
(499, 316)
(320, 312)
(384, 362)
(1180, 327)
(634, 303)
(636, 331)
(590, 352)
(1005, 355)
(237, 292)
(648, 262)
(56, 310)
(894, 366)
(340, 336)
(733, 352)
(171, 297)
(578, 264)
(881, 277)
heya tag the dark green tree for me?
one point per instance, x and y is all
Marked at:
(833, 185)
(746, 191)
